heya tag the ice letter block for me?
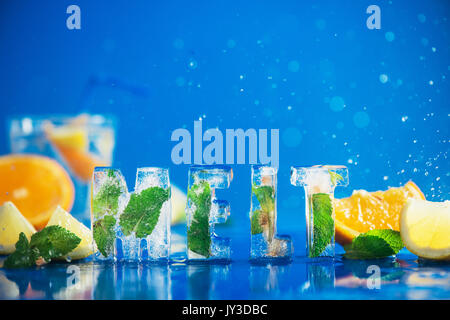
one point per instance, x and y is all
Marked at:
(265, 245)
(319, 183)
(203, 211)
(131, 226)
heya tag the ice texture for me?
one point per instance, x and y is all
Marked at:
(265, 244)
(319, 183)
(130, 245)
(204, 211)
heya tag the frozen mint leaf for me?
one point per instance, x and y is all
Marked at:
(104, 234)
(199, 239)
(335, 177)
(51, 242)
(142, 212)
(266, 198)
(374, 244)
(106, 201)
(323, 223)
(255, 223)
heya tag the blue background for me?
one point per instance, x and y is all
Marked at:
(311, 69)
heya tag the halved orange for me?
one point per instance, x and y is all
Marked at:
(72, 143)
(364, 211)
(36, 185)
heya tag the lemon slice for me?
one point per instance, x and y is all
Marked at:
(64, 219)
(12, 223)
(425, 228)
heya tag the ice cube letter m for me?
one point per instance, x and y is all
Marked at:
(204, 210)
(131, 226)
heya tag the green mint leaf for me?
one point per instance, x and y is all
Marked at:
(106, 201)
(54, 241)
(335, 177)
(51, 242)
(255, 223)
(266, 198)
(374, 244)
(104, 234)
(142, 212)
(323, 223)
(199, 239)
(23, 257)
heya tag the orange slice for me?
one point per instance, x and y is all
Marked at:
(36, 185)
(71, 142)
(365, 211)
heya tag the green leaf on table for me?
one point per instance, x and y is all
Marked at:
(374, 244)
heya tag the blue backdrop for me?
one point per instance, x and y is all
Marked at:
(374, 100)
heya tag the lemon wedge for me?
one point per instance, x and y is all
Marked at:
(425, 228)
(12, 223)
(62, 218)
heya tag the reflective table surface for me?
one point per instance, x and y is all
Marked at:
(402, 277)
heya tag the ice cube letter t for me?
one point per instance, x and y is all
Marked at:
(319, 183)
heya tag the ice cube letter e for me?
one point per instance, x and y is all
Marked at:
(131, 226)
(204, 210)
(319, 183)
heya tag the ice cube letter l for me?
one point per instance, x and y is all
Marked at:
(265, 245)
(319, 183)
(203, 211)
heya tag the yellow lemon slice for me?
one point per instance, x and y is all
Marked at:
(425, 228)
(12, 223)
(62, 218)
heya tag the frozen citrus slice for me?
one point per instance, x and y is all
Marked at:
(364, 211)
(64, 219)
(12, 223)
(178, 204)
(36, 185)
(425, 228)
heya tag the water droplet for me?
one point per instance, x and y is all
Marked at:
(192, 64)
(361, 119)
(421, 17)
(390, 36)
(293, 66)
(337, 104)
(291, 137)
(231, 43)
(383, 78)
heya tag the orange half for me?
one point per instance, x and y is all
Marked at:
(36, 185)
(364, 211)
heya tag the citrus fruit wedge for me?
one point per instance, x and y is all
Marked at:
(62, 218)
(12, 223)
(425, 228)
(36, 185)
(71, 142)
(364, 211)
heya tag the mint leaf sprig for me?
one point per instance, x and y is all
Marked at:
(323, 223)
(45, 245)
(374, 244)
